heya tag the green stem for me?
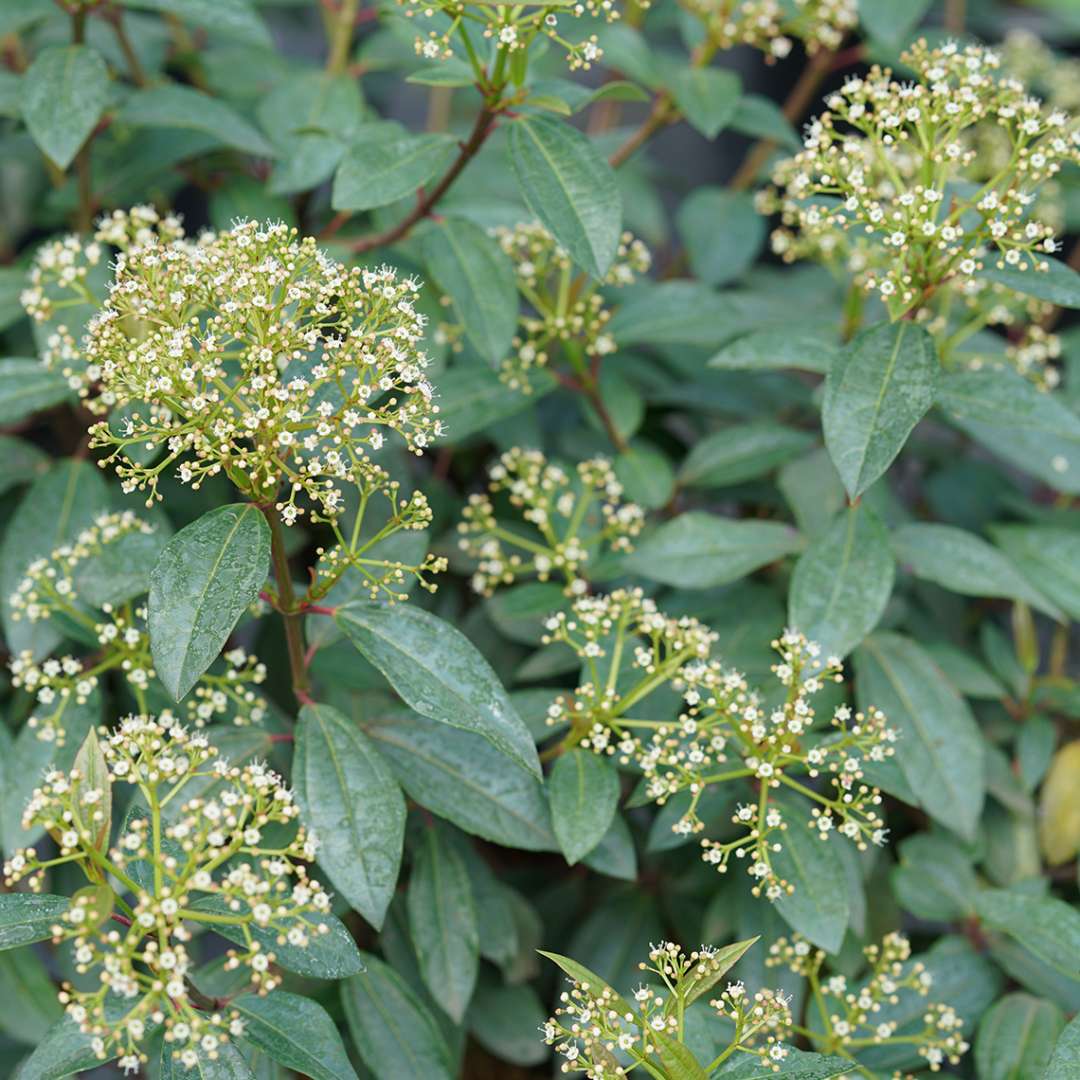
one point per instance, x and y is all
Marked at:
(294, 633)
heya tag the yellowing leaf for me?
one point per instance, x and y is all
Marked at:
(1059, 826)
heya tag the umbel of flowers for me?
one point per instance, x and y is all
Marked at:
(568, 518)
(251, 353)
(565, 310)
(213, 856)
(52, 590)
(723, 732)
(773, 26)
(892, 183)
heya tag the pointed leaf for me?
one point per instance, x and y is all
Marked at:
(204, 580)
(723, 959)
(581, 974)
(584, 791)
(92, 793)
(439, 673)
(878, 388)
(1048, 927)
(379, 169)
(1016, 1037)
(679, 1062)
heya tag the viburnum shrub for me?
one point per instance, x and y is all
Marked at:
(483, 598)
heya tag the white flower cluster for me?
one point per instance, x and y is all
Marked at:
(217, 860)
(851, 1011)
(50, 590)
(773, 26)
(892, 162)
(568, 516)
(565, 309)
(723, 732)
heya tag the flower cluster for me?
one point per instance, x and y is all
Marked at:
(52, 589)
(568, 518)
(891, 164)
(218, 859)
(773, 26)
(512, 28)
(855, 1016)
(721, 731)
(596, 1030)
(565, 309)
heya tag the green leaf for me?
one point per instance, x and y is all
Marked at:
(570, 188)
(761, 118)
(819, 907)
(679, 1062)
(646, 475)
(473, 397)
(707, 96)
(1048, 927)
(382, 169)
(1049, 558)
(813, 490)
(699, 550)
(809, 348)
(230, 18)
(439, 673)
(878, 388)
(175, 106)
(329, 954)
(57, 507)
(64, 93)
(471, 268)
(394, 1031)
(442, 923)
(505, 1019)
(28, 386)
(842, 582)
(463, 778)
(28, 917)
(1060, 284)
(674, 313)
(296, 1032)
(121, 571)
(890, 22)
(584, 792)
(1016, 421)
(798, 1065)
(935, 878)
(1064, 1063)
(581, 974)
(965, 563)
(92, 817)
(29, 996)
(723, 959)
(23, 462)
(741, 452)
(350, 798)
(1016, 1037)
(939, 750)
(615, 855)
(228, 1065)
(64, 1051)
(204, 580)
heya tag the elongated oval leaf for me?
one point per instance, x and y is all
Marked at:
(581, 974)
(28, 917)
(842, 582)
(230, 18)
(1048, 927)
(296, 1032)
(709, 98)
(381, 170)
(442, 923)
(741, 452)
(228, 1065)
(1064, 1062)
(721, 962)
(1058, 284)
(350, 798)
(1016, 1037)
(439, 673)
(939, 750)
(463, 778)
(26, 386)
(471, 268)
(698, 550)
(63, 95)
(204, 580)
(393, 1029)
(584, 791)
(93, 815)
(878, 388)
(570, 188)
(678, 1059)
(1049, 558)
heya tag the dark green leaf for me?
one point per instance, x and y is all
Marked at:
(842, 582)
(442, 923)
(1049, 558)
(584, 792)
(761, 118)
(935, 878)
(228, 1065)
(679, 1062)
(1059, 284)
(350, 798)
(393, 1029)
(380, 170)
(26, 387)
(297, 1032)
(707, 96)
(28, 917)
(64, 94)
(878, 388)
(1064, 1062)
(474, 272)
(1048, 927)
(439, 673)
(1016, 1037)
(646, 475)
(890, 22)
(798, 1065)
(722, 233)
(806, 348)
(570, 188)
(581, 974)
(232, 18)
(698, 550)
(723, 959)
(741, 452)
(505, 1021)
(204, 580)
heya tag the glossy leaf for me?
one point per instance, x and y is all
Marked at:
(439, 673)
(584, 792)
(569, 187)
(28, 917)
(878, 388)
(1059, 284)
(204, 580)
(228, 1065)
